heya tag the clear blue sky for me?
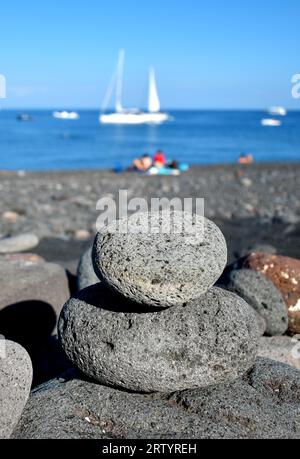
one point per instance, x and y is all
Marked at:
(207, 54)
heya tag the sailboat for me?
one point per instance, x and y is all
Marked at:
(131, 116)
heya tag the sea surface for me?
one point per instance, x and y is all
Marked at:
(194, 137)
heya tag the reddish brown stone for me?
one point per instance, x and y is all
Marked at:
(26, 257)
(284, 272)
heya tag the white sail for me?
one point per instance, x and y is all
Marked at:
(154, 103)
(119, 87)
(131, 116)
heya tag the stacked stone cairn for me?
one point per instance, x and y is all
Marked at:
(155, 322)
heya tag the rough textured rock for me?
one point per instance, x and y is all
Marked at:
(264, 404)
(261, 323)
(18, 243)
(263, 296)
(25, 281)
(281, 348)
(32, 296)
(15, 383)
(284, 272)
(208, 341)
(160, 270)
(85, 273)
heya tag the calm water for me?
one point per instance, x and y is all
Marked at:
(196, 137)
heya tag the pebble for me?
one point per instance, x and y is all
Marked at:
(10, 216)
(19, 243)
(85, 272)
(82, 235)
(208, 341)
(32, 296)
(15, 383)
(160, 270)
(263, 405)
(263, 296)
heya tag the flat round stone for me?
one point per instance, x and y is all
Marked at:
(153, 266)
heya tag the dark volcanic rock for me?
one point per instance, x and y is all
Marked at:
(160, 270)
(265, 404)
(23, 282)
(208, 341)
(85, 273)
(15, 383)
(263, 296)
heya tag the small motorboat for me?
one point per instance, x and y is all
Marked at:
(271, 122)
(24, 117)
(64, 115)
(277, 111)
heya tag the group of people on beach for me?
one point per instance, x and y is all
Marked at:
(159, 164)
(159, 161)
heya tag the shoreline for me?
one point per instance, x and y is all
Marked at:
(261, 165)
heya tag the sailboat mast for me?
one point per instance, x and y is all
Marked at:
(119, 87)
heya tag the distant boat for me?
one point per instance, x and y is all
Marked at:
(131, 116)
(271, 122)
(277, 111)
(64, 115)
(24, 117)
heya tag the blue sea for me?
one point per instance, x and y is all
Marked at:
(195, 137)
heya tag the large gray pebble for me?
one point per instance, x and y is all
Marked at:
(263, 405)
(15, 384)
(18, 243)
(208, 341)
(263, 296)
(160, 270)
(85, 272)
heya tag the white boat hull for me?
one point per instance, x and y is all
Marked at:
(271, 122)
(133, 118)
(277, 111)
(66, 115)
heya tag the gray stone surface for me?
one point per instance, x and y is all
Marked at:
(85, 272)
(264, 404)
(15, 383)
(18, 243)
(24, 281)
(160, 270)
(284, 349)
(262, 324)
(208, 341)
(263, 296)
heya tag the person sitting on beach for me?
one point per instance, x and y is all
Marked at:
(159, 159)
(246, 159)
(143, 163)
